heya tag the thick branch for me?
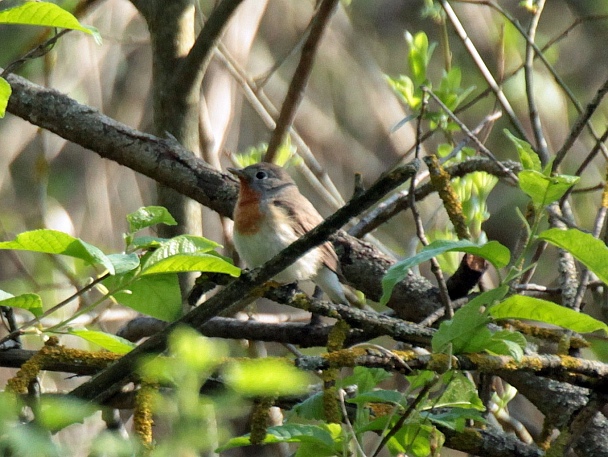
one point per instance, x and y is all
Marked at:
(170, 164)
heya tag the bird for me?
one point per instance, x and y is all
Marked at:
(269, 215)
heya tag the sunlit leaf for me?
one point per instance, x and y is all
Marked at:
(107, 341)
(191, 262)
(535, 309)
(492, 251)
(123, 263)
(266, 377)
(291, 433)
(149, 216)
(55, 242)
(31, 302)
(467, 331)
(544, 189)
(590, 251)
(528, 158)
(57, 413)
(47, 15)
(5, 93)
(158, 295)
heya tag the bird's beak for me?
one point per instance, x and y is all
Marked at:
(238, 173)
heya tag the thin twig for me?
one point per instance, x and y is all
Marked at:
(302, 73)
(195, 63)
(537, 128)
(435, 268)
(50, 311)
(470, 47)
(482, 148)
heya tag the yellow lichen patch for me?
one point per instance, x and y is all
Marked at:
(260, 419)
(345, 357)
(337, 336)
(142, 414)
(52, 354)
(440, 363)
(406, 355)
(331, 407)
(440, 179)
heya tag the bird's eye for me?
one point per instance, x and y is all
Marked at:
(261, 175)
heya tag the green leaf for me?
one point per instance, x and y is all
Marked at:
(58, 413)
(5, 94)
(378, 396)
(544, 189)
(413, 439)
(587, 249)
(107, 341)
(192, 262)
(492, 251)
(364, 378)
(505, 342)
(467, 331)
(312, 408)
(123, 263)
(460, 392)
(158, 296)
(55, 242)
(30, 302)
(291, 433)
(148, 216)
(535, 309)
(182, 244)
(456, 418)
(188, 253)
(528, 158)
(266, 377)
(47, 15)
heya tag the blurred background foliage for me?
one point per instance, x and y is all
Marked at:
(347, 119)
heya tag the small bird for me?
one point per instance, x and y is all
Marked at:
(269, 215)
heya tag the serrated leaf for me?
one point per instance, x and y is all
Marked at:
(107, 341)
(5, 94)
(30, 302)
(492, 251)
(544, 189)
(590, 251)
(148, 216)
(158, 295)
(47, 15)
(535, 309)
(55, 242)
(467, 331)
(528, 158)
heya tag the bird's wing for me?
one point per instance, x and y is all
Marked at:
(302, 225)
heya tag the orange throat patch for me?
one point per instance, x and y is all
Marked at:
(247, 215)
